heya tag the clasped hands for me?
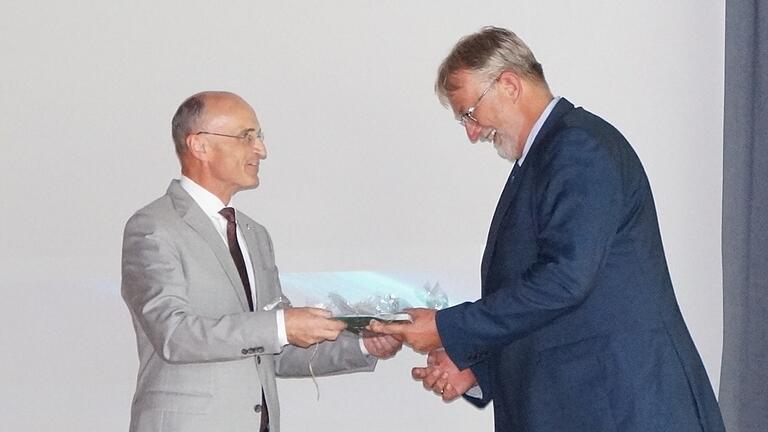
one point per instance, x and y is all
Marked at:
(306, 326)
(441, 375)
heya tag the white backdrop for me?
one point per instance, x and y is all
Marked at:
(366, 170)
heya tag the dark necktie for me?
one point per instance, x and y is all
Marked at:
(237, 257)
(237, 254)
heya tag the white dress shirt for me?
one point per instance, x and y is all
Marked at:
(211, 205)
(537, 127)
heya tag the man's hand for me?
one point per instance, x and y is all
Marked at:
(421, 334)
(382, 346)
(443, 377)
(306, 326)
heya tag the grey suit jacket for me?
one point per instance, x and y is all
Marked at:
(203, 357)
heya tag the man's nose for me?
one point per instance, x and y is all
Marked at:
(260, 148)
(473, 131)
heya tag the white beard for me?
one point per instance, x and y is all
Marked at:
(503, 151)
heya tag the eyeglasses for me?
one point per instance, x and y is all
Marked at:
(250, 136)
(468, 115)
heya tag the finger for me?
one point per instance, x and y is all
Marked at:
(396, 339)
(302, 343)
(317, 312)
(375, 346)
(330, 334)
(413, 312)
(433, 358)
(375, 326)
(419, 373)
(390, 343)
(376, 342)
(395, 347)
(441, 383)
(450, 393)
(331, 325)
(380, 327)
(438, 390)
(431, 378)
(387, 329)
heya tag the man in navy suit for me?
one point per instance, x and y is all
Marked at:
(578, 328)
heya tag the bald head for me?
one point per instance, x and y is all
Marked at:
(195, 112)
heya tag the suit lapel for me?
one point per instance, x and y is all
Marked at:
(501, 208)
(513, 182)
(194, 216)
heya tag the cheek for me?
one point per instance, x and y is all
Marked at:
(233, 161)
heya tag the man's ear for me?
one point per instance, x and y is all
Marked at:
(511, 84)
(196, 146)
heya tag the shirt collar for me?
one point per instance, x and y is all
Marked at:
(537, 127)
(210, 203)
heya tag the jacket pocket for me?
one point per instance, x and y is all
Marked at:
(571, 387)
(193, 403)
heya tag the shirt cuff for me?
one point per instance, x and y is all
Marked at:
(282, 335)
(362, 347)
(475, 392)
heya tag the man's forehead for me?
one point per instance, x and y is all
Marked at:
(458, 86)
(460, 79)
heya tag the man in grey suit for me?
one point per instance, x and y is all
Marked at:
(198, 278)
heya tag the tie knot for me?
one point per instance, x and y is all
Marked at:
(228, 213)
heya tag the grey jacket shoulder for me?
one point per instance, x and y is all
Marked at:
(160, 206)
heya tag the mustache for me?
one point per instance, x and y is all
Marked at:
(489, 136)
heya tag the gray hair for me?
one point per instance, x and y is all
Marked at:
(488, 52)
(185, 120)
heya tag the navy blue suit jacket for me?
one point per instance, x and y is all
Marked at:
(578, 328)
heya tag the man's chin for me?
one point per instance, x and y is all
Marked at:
(253, 184)
(502, 152)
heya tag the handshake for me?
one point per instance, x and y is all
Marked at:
(306, 326)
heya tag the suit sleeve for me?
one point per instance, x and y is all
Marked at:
(333, 357)
(480, 369)
(155, 288)
(577, 198)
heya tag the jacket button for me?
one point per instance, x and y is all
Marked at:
(257, 408)
(244, 351)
